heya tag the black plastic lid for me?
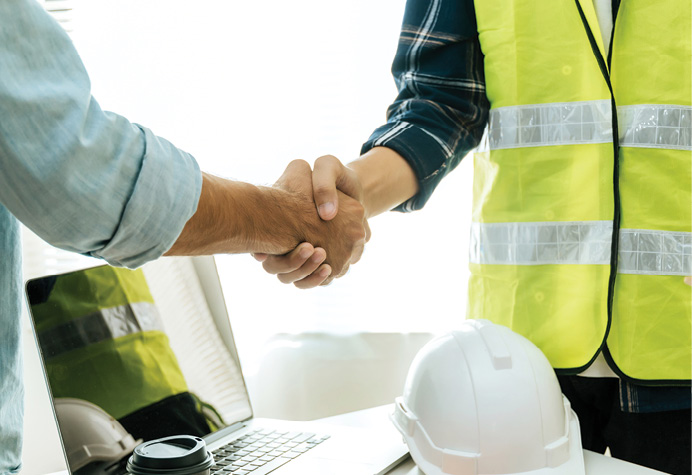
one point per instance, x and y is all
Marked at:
(179, 454)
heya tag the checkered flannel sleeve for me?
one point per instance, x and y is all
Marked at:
(441, 110)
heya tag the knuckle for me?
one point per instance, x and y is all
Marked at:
(326, 160)
(343, 272)
(268, 266)
(298, 162)
(294, 261)
(323, 189)
(355, 208)
(358, 236)
(319, 256)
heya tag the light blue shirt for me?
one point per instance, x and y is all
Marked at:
(81, 178)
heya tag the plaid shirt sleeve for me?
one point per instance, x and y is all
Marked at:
(441, 110)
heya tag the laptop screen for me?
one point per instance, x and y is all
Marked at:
(150, 348)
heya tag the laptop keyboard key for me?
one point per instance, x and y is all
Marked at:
(303, 437)
(270, 466)
(262, 451)
(290, 455)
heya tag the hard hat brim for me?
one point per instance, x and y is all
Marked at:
(574, 465)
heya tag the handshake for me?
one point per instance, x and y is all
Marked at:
(310, 226)
(325, 221)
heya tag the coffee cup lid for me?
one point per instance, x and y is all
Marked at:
(178, 455)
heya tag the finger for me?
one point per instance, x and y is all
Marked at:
(357, 253)
(344, 271)
(331, 277)
(360, 247)
(315, 279)
(260, 256)
(306, 269)
(324, 177)
(289, 262)
(328, 176)
(688, 280)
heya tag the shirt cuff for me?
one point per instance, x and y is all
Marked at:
(164, 198)
(423, 152)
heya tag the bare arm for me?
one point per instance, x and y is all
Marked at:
(236, 217)
(384, 178)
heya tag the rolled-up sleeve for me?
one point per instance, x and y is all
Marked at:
(441, 110)
(83, 179)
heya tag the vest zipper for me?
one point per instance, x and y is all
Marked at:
(616, 188)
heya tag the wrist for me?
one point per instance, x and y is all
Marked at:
(236, 217)
(278, 221)
(386, 178)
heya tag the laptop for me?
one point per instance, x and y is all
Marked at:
(197, 365)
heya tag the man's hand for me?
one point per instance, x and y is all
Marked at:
(379, 180)
(328, 178)
(300, 266)
(337, 241)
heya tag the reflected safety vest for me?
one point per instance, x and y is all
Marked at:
(581, 218)
(103, 341)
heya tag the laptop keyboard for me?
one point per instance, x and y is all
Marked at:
(261, 451)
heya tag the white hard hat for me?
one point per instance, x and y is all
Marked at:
(90, 434)
(485, 400)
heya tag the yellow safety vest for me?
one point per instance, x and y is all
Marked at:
(103, 341)
(581, 220)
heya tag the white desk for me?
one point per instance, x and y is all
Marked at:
(595, 464)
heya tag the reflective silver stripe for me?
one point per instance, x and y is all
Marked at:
(563, 123)
(581, 242)
(656, 126)
(649, 252)
(107, 324)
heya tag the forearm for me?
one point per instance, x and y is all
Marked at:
(387, 180)
(236, 217)
(441, 109)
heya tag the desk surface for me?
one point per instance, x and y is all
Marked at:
(595, 464)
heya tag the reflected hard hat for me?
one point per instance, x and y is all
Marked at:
(89, 434)
(485, 400)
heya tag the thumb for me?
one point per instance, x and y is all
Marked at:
(330, 174)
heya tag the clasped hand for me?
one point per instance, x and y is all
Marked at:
(335, 229)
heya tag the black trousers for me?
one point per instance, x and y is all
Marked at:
(658, 440)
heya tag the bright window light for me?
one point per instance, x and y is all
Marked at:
(247, 87)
